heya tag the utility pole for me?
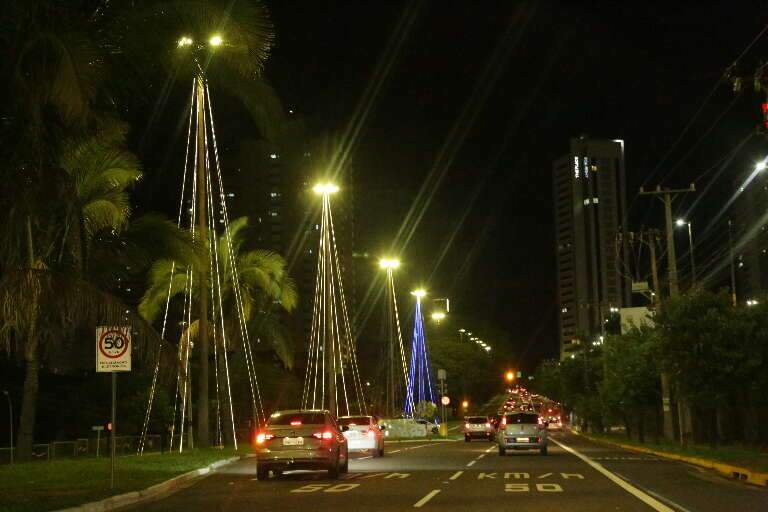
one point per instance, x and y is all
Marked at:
(667, 196)
(202, 208)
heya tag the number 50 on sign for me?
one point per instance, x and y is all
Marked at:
(113, 349)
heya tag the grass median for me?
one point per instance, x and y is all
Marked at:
(39, 486)
(745, 457)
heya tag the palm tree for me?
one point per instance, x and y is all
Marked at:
(55, 217)
(257, 277)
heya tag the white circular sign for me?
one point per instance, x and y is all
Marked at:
(445, 400)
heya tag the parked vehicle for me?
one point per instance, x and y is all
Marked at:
(301, 439)
(364, 434)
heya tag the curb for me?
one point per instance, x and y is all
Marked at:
(157, 491)
(734, 472)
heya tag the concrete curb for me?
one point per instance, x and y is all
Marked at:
(737, 473)
(157, 491)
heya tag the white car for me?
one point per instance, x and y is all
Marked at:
(363, 434)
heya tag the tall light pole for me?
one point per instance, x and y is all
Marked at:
(393, 328)
(10, 420)
(681, 223)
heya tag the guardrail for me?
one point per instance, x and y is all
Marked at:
(85, 447)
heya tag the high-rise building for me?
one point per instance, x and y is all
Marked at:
(590, 215)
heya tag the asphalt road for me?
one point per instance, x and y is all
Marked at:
(577, 475)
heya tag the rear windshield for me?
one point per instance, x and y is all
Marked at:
(477, 419)
(299, 418)
(356, 420)
(525, 419)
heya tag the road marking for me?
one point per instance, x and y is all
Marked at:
(393, 451)
(480, 456)
(545, 475)
(363, 458)
(398, 475)
(456, 475)
(489, 450)
(631, 489)
(471, 463)
(372, 475)
(423, 501)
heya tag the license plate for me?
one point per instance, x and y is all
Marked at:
(522, 439)
(293, 441)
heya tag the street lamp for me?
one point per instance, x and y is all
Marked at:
(681, 223)
(510, 375)
(389, 263)
(465, 404)
(419, 293)
(437, 316)
(760, 166)
(215, 40)
(10, 421)
(325, 189)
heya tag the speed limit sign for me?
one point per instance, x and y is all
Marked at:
(113, 349)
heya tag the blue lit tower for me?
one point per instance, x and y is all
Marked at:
(420, 382)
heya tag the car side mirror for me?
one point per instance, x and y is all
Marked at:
(382, 427)
(344, 428)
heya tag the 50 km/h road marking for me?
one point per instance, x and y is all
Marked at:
(631, 489)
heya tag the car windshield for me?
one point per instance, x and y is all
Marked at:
(297, 418)
(524, 419)
(477, 419)
(355, 420)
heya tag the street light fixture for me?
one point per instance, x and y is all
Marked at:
(325, 188)
(215, 40)
(185, 41)
(510, 375)
(437, 316)
(760, 166)
(419, 293)
(389, 263)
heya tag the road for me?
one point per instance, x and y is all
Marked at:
(577, 475)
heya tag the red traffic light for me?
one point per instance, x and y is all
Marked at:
(108, 426)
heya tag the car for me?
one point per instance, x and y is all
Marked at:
(478, 427)
(429, 427)
(554, 423)
(522, 431)
(301, 439)
(364, 434)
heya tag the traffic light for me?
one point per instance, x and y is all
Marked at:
(108, 426)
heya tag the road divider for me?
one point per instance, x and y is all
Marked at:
(423, 501)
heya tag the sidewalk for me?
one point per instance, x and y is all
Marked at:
(738, 464)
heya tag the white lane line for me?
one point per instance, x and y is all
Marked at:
(631, 489)
(393, 451)
(456, 475)
(471, 463)
(363, 458)
(480, 456)
(656, 495)
(423, 501)
(489, 450)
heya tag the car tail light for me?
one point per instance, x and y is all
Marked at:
(295, 423)
(324, 435)
(261, 437)
(466, 425)
(487, 425)
(371, 433)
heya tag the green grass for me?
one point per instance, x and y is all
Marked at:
(745, 457)
(38, 486)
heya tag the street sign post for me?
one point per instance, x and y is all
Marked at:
(98, 429)
(441, 377)
(113, 354)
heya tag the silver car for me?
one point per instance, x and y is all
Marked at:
(522, 431)
(299, 439)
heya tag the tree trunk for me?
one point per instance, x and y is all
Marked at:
(224, 394)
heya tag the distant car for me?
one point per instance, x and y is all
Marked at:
(478, 427)
(430, 427)
(301, 439)
(364, 434)
(554, 423)
(522, 431)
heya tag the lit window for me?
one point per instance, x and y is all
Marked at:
(595, 200)
(273, 156)
(273, 214)
(231, 194)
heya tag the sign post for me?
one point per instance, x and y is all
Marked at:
(98, 429)
(113, 354)
(441, 377)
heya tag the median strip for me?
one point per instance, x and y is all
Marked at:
(734, 472)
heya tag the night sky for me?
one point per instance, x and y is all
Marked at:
(470, 101)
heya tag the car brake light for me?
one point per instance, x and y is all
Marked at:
(261, 437)
(370, 433)
(295, 423)
(466, 425)
(324, 435)
(504, 421)
(487, 425)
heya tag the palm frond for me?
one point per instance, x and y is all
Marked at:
(268, 327)
(161, 283)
